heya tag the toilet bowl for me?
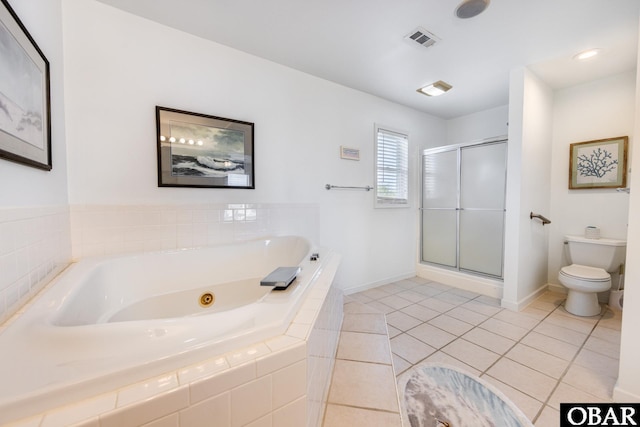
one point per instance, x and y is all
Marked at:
(584, 283)
(591, 262)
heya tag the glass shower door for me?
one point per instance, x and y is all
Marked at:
(440, 208)
(482, 208)
(463, 207)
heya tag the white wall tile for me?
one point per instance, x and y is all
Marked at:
(289, 383)
(251, 401)
(215, 411)
(292, 415)
(208, 387)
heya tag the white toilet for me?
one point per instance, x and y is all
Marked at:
(591, 262)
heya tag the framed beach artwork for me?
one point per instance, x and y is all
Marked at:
(598, 164)
(198, 150)
(25, 117)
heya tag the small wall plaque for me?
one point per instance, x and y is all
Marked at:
(349, 153)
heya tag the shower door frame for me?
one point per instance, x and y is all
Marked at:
(458, 148)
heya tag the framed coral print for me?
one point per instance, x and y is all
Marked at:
(598, 164)
(198, 150)
(25, 117)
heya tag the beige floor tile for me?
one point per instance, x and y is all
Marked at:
(595, 383)
(555, 298)
(534, 312)
(444, 358)
(451, 325)
(504, 329)
(395, 301)
(551, 345)
(346, 416)
(410, 283)
(471, 354)
(452, 298)
(409, 295)
(364, 347)
(373, 323)
(538, 360)
(563, 334)
(582, 326)
(420, 312)
(356, 307)
(400, 365)
(467, 315)
(592, 320)
(382, 308)
(366, 385)
(517, 318)
(431, 335)
(484, 299)
(604, 347)
(360, 297)
(612, 320)
(464, 293)
(437, 305)
(489, 340)
(393, 331)
(402, 321)
(520, 377)
(565, 393)
(597, 362)
(545, 306)
(391, 288)
(375, 293)
(610, 335)
(482, 308)
(419, 280)
(427, 290)
(410, 349)
(527, 404)
(549, 417)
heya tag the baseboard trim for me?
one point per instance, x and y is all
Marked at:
(482, 285)
(623, 396)
(356, 289)
(519, 305)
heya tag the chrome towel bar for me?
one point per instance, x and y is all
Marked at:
(540, 217)
(329, 187)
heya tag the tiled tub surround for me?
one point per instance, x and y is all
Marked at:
(34, 246)
(117, 229)
(280, 376)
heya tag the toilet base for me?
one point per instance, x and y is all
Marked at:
(582, 303)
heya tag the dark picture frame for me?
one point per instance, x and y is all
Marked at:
(600, 163)
(25, 99)
(198, 150)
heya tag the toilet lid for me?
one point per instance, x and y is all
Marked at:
(585, 272)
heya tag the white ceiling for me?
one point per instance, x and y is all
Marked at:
(360, 43)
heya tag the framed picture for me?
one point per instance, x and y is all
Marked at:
(598, 164)
(197, 150)
(25, 116)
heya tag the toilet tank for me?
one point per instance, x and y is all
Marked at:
(608, 254)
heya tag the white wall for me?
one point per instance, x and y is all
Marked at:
(477, 126)
(528, 185)
(119, 67)
(627, 388)
(596, 110)
(35, 241)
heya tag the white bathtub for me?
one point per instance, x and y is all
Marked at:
(107, 322)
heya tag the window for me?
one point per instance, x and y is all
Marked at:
(392, 168)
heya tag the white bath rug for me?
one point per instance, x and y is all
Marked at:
(438, 395)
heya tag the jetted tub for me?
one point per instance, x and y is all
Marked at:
(110, 321)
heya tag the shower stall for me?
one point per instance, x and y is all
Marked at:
(463, 207)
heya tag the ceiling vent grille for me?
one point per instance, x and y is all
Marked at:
(422, 37)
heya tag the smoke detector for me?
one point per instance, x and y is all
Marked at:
(422, 37)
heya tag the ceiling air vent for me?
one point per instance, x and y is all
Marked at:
(422, 37)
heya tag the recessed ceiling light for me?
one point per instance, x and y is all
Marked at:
(586, 54)
(470, 8)
(435, 89)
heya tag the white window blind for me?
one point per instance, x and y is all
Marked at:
(392, 168)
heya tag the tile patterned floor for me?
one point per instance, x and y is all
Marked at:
(538, 357)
